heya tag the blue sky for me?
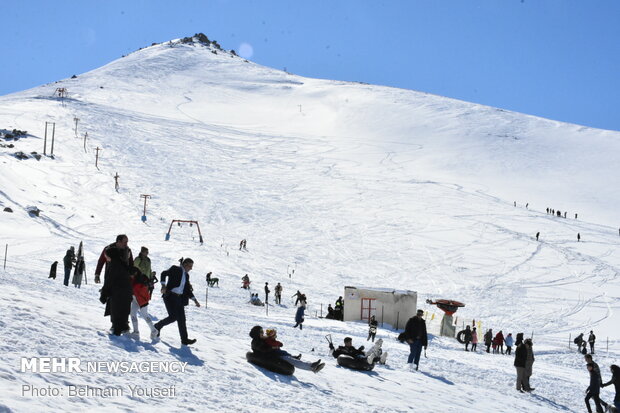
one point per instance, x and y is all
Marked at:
(559, 59)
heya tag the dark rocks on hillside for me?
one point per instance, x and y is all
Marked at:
(36, 156)
(33, 211)
(7, 209)
(20, 155)
(74, 77)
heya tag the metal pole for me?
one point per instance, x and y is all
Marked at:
(76, 124)
(85, 135)
(45, 141)
(53, 133)
(5, 251)
(97, 157)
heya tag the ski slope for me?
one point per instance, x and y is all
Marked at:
(347, 184)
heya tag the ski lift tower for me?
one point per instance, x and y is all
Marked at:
(179, 222)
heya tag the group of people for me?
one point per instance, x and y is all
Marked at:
(336, 312)
(582, 343)
(593, 392)
(495, 343)
(128, 285)
(70, 261)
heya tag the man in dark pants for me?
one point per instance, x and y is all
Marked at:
(177, 292)
(68, 261)
(593, 390)
(125, 255)
(267, 291)
(415, 333)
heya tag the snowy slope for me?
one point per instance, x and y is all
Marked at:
(349, 184)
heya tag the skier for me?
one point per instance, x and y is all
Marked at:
(416, 337)
(372, 328)
(509, 340)
(278, 293)
(488, 339)
(615, 380)
(125, 256)
(68, 261)
(261, 347)
(591, 340)
(267, 291)
(299, 315)
(143, 263)
(53, 270)
(594, 390)
(140, 302)
(537, 235)
(177, 293)
(467, 337)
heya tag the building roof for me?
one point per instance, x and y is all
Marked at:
(384, 290)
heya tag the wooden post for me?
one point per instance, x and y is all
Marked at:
(97, 157)
(45, 140)
(207, 296)
(53, 133)
(76, 123)
(6, 248)
(85, 135)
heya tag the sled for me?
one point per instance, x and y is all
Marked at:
(354, 363)
(275, 364)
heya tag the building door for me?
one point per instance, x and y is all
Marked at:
(369, 308)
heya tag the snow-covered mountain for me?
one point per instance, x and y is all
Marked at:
(344, 183)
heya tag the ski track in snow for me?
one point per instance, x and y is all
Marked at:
(350, 190)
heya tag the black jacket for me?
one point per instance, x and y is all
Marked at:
(595, 383)
(416, 330)
(520, 355)
(174, 274)
(348, 351)
(615, 380)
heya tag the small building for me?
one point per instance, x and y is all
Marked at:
(388, 305)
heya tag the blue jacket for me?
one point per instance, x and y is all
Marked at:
(509, 341)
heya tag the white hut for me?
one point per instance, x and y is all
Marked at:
(388, 305)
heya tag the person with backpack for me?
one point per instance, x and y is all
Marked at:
(615, 380)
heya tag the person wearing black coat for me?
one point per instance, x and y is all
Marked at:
(520, 358)
(594, 390)
(117, 293)
(177, 291)
(615, 380)
(467, 337)
(68, 261)
(372, 328)
(53, 270)
(416, 337)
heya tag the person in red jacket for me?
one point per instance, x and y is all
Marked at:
(499, 342)
(140, 302)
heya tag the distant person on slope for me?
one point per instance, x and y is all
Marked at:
(278, 293)
(467, 337)
(372, 328)
(125, 256)
(177, 291)
(474, 339)
(488, 339)
(509, 340)
(299, 315)
(591, 340)
(69, 262)
(499, 342)
(416, 337)
(53, 270)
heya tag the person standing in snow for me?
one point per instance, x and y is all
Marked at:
(529, 363)
(467, 337)
(594, 390)
(615, 380)
(578, 237)
(499, 341)
(591, 340)
(372, 328)
(339, 309)
(488, 339)
(143, 263)
(267, 291)
(116, 292)
(416, 337)
(278, 293)
(53, 270)
(474, 339)
(520, 359)
(177, 292)
(298, 295)
(140, 301)
(509, 343)
(125, 256)
(68, 261)
(299, 315)
(537, 235)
